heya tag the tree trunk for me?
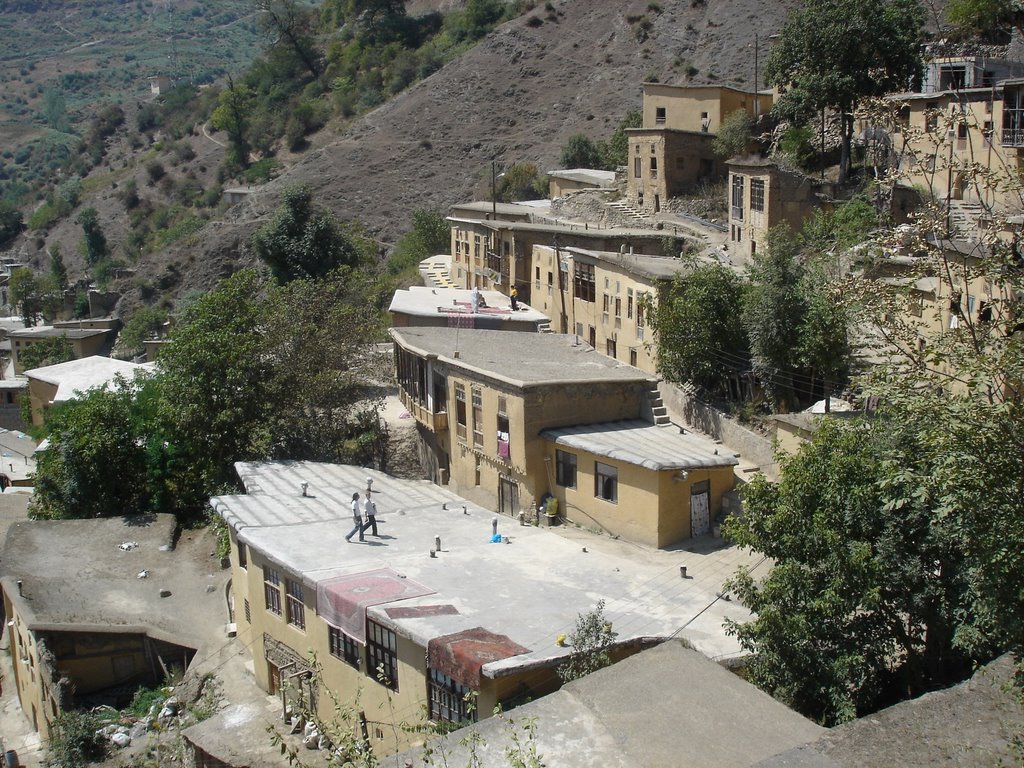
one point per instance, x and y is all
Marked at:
(846, 121)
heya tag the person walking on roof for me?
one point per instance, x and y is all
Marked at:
(357, 518)
(514, 296)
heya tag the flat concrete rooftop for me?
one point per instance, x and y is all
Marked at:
(520, 359)
(76, 377)
(644, 444)
(530, 589)
(658, 267)
(76, 577)
(421, 301)
(50, 332)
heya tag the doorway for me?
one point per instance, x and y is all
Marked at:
(700, 508)
(508, 496)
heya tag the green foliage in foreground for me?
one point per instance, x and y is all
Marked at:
(254, 371)
(74, 741)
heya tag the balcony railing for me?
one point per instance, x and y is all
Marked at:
(1013, 137)
(437, 422)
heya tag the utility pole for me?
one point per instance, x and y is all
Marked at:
(494, 193)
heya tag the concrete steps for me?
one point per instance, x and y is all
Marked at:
(659, 413)
(629, 211)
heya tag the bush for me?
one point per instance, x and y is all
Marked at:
(74, 740)
(155, 170)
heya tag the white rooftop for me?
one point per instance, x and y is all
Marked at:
(585, 175)
(530, 589)
(423, 301)
(76, 377)
(644, 444)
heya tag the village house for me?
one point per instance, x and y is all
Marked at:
(968, 114)
(561, 182)
(85, 338)
(453, 307)
(95, 608)
(514, 421)
(59, 383)
(672, 151)
(603, 297)
(396, 627)
(496, 254)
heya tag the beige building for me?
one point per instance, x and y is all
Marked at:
(968, 114)
(562, 182)
(68, 381)
(763, 195)
(84, 341)
(672, 151)
(496, 254)
(490, 408)
(603, 297)
(431, 615)
(81, 622)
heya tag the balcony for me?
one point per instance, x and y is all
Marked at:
(436, 422)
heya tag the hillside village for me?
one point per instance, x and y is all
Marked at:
(709, 459)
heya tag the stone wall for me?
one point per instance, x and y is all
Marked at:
(755, 449)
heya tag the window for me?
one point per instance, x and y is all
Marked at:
(705, 122)
(342, 646)
(659, 115)
(478, 417)
(450, 702)
(757, 194)
(638, 167)
(737, 197)
(605, 299)
(654, 167)
(272, 590)
(931, 116)
(618, 307)
(551, 279)
(536, 274)
(381, 655)
(565, 469)
(639, 313)
(610, 347)
(629, 304)
(460, 411)
(296, 611)
(606, 482)
(583, 281)
(503, 432)
(243, 556)
(248, 611)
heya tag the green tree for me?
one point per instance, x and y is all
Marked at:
(591, 642)
(94, 242)
(55, 110)
(985, 17)
(292, 25)
(302, 242)
(100, 429)
(735, 135)
(697, 322)
(834, 53)
(46, 352)
(824, 346)
(11, 222)
(58, 272)
(616, 151)
(580, 152)
(141, 325)
(430, 235)
(773, 313)
(522, 181)
(26, 295)
(232, 115)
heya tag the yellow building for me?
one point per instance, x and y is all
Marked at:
(84, 341)
(68, 381)
(495, 254)
(489, 407)
(603, 297)
(672, 151)
(432, 610)
(82, 622)
(969, 114)
(763, 195)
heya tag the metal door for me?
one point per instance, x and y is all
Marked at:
(508, 496)
(700, 511)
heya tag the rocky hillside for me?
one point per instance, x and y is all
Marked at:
(565, 67)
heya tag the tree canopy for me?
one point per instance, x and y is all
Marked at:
(302, 242)
(254, 370)
(834, 53)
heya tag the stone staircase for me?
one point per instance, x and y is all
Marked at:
(628, 211)
(658, 411)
